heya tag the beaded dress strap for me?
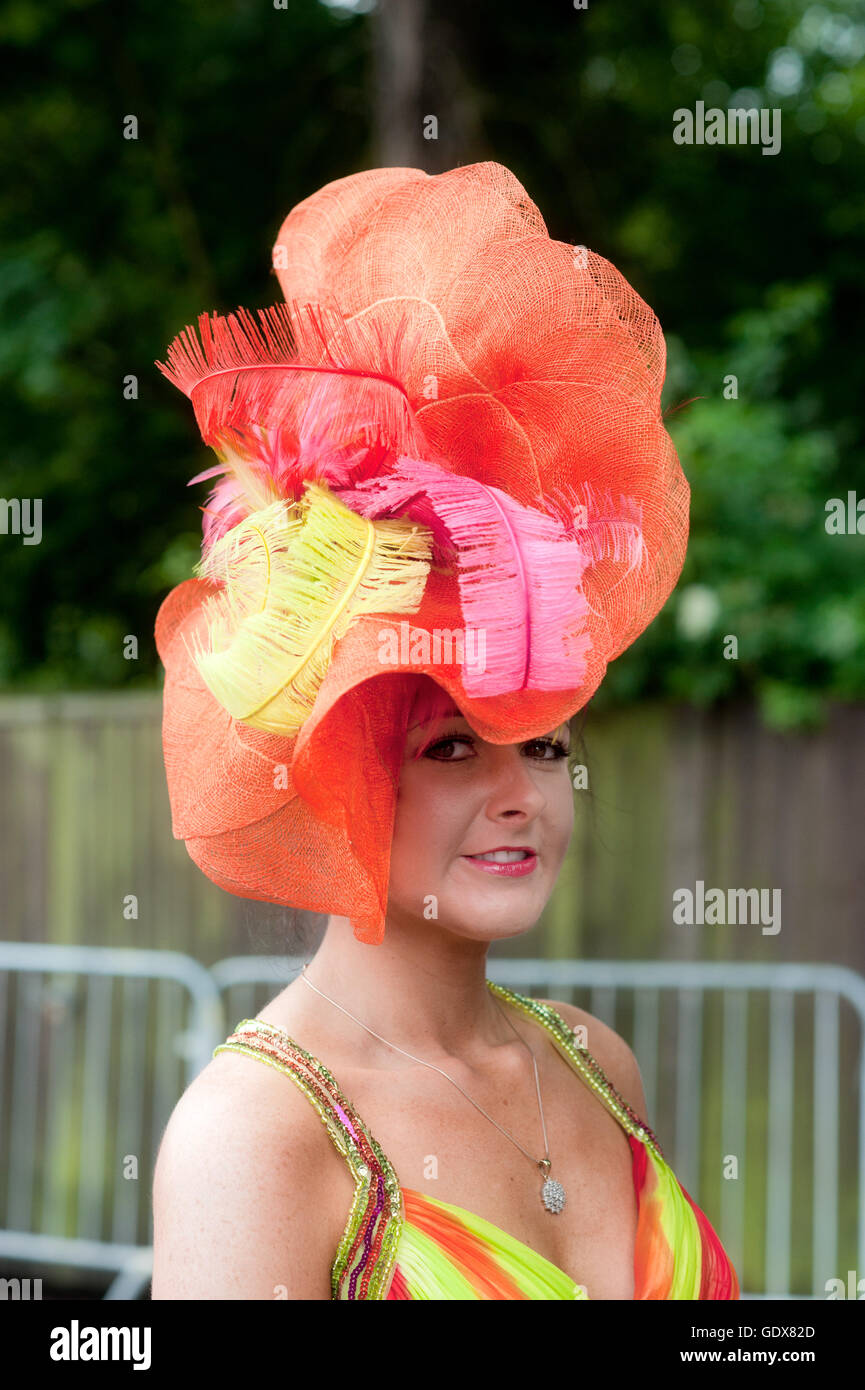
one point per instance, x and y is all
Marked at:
(583, 1062)
(367, 1251)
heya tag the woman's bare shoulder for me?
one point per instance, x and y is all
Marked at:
(610, 1051)
(250, 1196)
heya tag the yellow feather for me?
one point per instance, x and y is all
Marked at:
(294, 577)
(258, 488)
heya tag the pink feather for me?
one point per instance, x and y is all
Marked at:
(297, 392)
(519, 573)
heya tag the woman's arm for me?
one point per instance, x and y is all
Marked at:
(249, 1198)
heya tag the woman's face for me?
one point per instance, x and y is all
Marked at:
(463, 797)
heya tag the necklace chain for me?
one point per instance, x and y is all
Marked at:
(544, 1163)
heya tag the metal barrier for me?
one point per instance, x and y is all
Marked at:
(96, 1047)
(101, 1044)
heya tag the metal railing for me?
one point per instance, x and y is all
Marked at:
(101, 1044)
(96, 1046)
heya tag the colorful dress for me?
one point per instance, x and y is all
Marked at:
(402, 1244)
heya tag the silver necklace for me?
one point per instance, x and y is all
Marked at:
(552, 1192)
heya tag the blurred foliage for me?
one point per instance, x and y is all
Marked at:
(753, 264)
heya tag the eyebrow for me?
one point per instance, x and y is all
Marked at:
(564, 727)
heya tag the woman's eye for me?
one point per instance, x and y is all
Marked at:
(555, 746)
(547, 750)
(447, 743)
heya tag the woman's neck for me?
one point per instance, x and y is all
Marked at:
(423, 992)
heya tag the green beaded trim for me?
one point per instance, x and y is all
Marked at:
(584, 1064)
(344, 1142)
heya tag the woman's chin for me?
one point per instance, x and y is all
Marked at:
(485, 917)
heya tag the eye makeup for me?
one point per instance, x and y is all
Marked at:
(559, 747)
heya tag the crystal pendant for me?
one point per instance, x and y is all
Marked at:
(553, 1195)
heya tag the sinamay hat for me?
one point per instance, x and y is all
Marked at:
(444, 456)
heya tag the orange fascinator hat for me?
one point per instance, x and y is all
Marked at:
(443, 456)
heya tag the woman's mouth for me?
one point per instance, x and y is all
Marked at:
(511, 863)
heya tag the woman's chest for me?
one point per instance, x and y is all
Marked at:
(444, 1148)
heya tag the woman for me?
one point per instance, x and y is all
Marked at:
(252, 1197)
(458, 419)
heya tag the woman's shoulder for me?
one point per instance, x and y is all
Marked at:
(613, 1055)
(237, 1090)
(249, 1195)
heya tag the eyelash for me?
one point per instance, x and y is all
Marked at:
(456, 737)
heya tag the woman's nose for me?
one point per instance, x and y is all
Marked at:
(513, 788)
